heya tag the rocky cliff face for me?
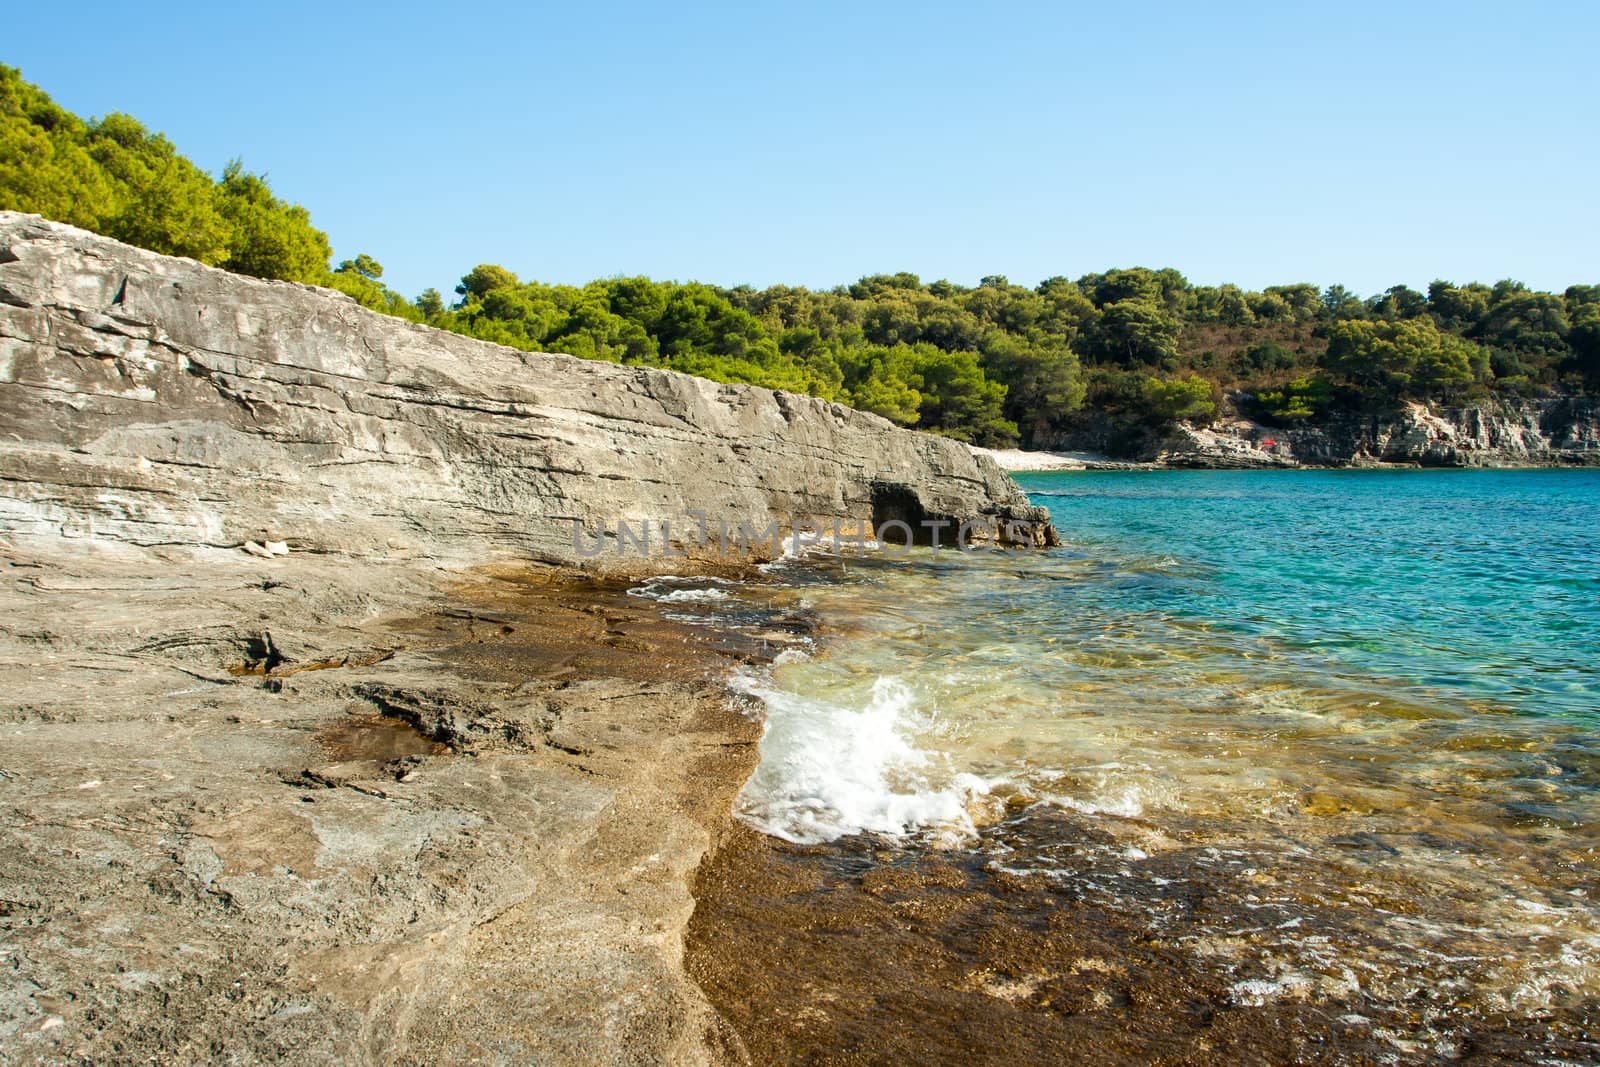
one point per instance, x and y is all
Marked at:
(157, 401)
(1561, 432)
(349, 799)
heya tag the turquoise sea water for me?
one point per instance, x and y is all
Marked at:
(1455, 588)
(1356, 712)
(1209, 641)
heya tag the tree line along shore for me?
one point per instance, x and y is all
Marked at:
(996, 364)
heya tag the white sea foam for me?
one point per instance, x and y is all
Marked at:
(692, 596)
(792, 547)
(691, 619)
(1112, 788)
(653, 589)
(798, 546)
(828, 770)
(1127, 802)
(1255, 992)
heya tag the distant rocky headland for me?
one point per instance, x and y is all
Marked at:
(1547, 432)
(323, 738)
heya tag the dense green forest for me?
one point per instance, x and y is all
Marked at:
(995, 363)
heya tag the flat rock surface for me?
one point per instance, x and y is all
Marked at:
(294, 808)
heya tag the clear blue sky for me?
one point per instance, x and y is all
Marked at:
(1366, 144)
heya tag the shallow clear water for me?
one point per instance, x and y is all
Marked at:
(1358, 710)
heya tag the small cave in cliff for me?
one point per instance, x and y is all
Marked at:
(900, 503)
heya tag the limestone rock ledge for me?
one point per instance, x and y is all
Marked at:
(398, 794)
(303, 810)
(158, 401)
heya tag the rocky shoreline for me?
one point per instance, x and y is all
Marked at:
(1554, 432)
(331, 731)
(298, 809)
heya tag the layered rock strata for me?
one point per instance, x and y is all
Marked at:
(153, 400)
(325, 738)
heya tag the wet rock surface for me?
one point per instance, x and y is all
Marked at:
(1026, 950)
